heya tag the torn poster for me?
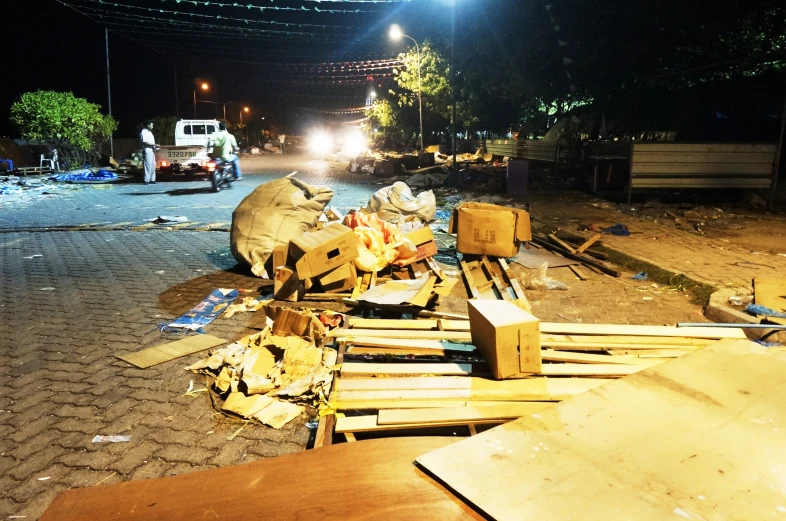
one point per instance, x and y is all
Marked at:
(205, 312)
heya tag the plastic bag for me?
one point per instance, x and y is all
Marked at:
(540, 280)
(397, 199)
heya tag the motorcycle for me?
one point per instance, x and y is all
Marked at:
(222, 174)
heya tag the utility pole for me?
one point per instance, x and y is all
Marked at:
(109, 92)
(453, 82)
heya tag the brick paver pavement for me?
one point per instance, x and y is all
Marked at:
(112, 289)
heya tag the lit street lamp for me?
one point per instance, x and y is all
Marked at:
(397, 34)
(245, 109)
(204, 86)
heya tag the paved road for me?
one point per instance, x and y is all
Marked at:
(70, 301)
(130, 204)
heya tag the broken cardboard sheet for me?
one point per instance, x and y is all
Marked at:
(278, 368)
(415, 292)
(164, 353)
(700, 438)
(205, 312)
(248, 304)
(532, 258)
(295, 322)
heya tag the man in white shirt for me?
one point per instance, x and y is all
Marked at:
(282, 139)
(149, 153)
(225, 148)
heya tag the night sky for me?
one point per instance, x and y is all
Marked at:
(275, 61)
(52, 46)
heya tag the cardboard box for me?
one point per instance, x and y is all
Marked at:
(507, 336)
(489, 229)
(423, 239)
(340, 279)
(318, 252)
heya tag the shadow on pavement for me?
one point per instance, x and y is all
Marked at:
(191, 191)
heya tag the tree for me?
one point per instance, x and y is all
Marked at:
(164, 129)
(74, 126)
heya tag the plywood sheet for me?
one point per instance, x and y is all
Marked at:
(165, 352)
(702, 437)
(372, 479)
(532, 258)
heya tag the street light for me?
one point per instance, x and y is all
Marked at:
(204, 86)
(245, 109)
(397, 34)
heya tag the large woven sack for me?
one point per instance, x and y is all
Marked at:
(272, 215)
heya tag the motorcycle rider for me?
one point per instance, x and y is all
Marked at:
(225, 148)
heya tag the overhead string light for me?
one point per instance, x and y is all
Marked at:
(215, 17)
(263, 8)
(354, 110)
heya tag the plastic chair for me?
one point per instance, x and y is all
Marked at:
(50, 160)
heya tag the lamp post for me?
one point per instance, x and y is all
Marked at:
(453, 79)
(204, 86)
(397, 34)
(245, 109)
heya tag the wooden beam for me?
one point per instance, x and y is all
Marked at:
(581, 258)
(350, 334)
(355, 368)
(379, 405)
(504, 294)
(562, 243)
(631, 330)
(395, 343)
(369, 423)
(584, 358)
(595, 238)
(560, 388)
(505, 411)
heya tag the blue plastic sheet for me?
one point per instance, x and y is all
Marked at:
(205, 312)
(88, 176)
(618, 229)
(642, 275)
(757, 309)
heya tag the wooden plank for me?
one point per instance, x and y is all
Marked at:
(391, 323)
(369, 423)
(562, 243)
(324, 434)
(470, 279)
(584, 259)
(501, 288)
(624, 340)
(380, 323)
(578, 273)
(504, 411)
(541, 393)
(595, 238)
(406, 351)
(584, 358)
(636, 330)
(379, 405)
(165, 352)
(650, 353)
(290, 487)
(591, 369)
(557, 388)
(355, 368)
(695, 438)
(394, 343)
(351, 334)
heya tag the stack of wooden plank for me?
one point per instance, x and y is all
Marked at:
(410, 374)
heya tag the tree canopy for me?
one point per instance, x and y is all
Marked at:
(76, 127)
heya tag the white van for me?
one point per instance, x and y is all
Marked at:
(190, 153)
(195, 131)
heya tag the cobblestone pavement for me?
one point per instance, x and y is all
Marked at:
(92, 295)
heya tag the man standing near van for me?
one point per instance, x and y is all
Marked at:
(282, 139)
(225, 148)
(149, 153)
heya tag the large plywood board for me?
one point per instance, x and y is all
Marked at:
(702, 437)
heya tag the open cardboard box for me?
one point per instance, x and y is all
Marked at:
(489, 229)
(318, 252)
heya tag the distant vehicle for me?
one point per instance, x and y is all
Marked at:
(190, 153)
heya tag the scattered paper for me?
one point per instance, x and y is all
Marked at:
(111, 439)
(33, 256)
(206, 311)
(47, 289)
(45, 478)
